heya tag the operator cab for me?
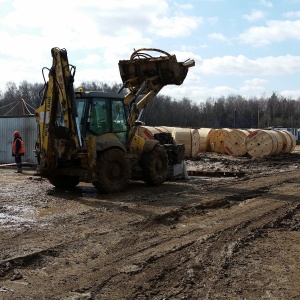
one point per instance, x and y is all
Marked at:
(101, 112)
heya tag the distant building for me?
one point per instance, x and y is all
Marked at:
(294, 131)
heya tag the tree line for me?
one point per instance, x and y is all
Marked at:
(225, 112)
(233, 111)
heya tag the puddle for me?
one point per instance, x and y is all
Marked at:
(20, 215)
(61, 208)
(14, 216)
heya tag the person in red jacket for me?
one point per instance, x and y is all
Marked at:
(18, 150)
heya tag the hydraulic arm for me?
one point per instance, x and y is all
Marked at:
(145, 75)
(57, 116)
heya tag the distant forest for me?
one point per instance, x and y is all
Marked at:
(224, 112)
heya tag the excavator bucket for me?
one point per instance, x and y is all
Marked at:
(157, 71)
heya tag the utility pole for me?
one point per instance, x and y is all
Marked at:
(23, 110)
(234, 118)
(258, 125)
(22, 104)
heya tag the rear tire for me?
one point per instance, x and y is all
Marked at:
(113, 171)
(155, 166)
(64, 181)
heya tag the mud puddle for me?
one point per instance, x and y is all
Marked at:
(16, 216)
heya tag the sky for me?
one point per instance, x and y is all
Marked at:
(249, 48)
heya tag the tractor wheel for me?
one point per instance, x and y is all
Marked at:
(64, 181)
(155, 166)
(113, 171)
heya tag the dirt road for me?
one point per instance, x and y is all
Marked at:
(213, 237)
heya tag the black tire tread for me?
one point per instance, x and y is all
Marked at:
(155, 166)
(106, 181)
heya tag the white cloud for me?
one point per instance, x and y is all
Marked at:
(177, 26)
(22, 70)
(266, 3)
(98, 34)
(293, 94)
(108, 75)
(91, 30)
(213, 20)
(218, 37)
(292, 14)
(105, 24)
(253, 86)
(274, 31)
(254, 16)
(212, 1)
(184, 55)
(90, 59)
(242, 65)
(184, 6)
(223, 90)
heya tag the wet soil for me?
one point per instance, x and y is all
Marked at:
(229, 231)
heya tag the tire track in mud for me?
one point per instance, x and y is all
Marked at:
(172, 216)
(208, 252)
(256, 218)
(186, 250)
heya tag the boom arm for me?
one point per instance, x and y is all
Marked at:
(145, 76)
(57, 116)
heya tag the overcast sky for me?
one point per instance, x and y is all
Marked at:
(241, 47)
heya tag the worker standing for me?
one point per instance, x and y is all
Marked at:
(18, 150)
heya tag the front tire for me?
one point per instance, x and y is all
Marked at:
(155, 166)
(113, 171)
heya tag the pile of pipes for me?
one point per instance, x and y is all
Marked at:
(237, 142)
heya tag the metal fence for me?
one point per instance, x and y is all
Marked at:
(27, 126)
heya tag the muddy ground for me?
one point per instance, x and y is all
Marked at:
(231, 233)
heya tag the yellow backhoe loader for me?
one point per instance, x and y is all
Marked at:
(89, 136)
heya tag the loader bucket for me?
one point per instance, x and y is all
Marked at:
(160, 71)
